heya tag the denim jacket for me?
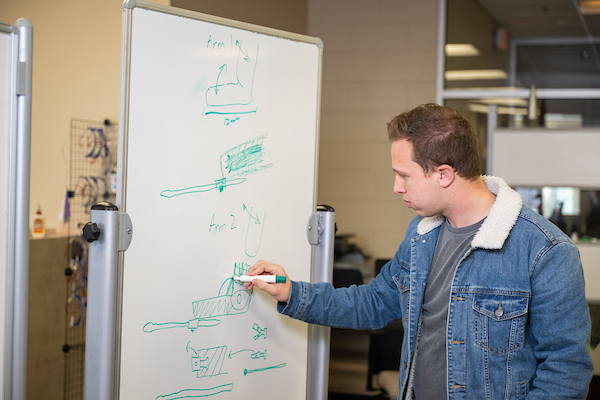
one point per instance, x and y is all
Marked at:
(518, 322)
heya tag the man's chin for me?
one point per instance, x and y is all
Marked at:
(424, 214)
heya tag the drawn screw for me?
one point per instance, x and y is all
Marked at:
(249, 371)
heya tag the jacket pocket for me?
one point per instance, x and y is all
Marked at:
(402, 278)
(523, 389)
(500, 320)
(402, 281)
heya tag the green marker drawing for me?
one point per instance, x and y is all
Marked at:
(218, 184)
(208, 362)
(196, 393)
(254, 232)
(237, 91)
(249, 371)
(241, 160)
(191, 325)
(261, 332)
(255, 354)
(232, 299)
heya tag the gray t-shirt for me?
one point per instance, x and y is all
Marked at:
(431, 363)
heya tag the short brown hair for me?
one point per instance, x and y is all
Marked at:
(439, 135)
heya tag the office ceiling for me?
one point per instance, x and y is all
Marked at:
(542, 18)
(552, 58)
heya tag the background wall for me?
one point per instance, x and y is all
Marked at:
(288, 15)
(379, 60)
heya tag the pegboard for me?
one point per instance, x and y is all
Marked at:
(93, 163)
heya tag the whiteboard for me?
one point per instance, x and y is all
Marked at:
(218, 153)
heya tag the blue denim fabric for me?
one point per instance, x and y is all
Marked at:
(518, 321)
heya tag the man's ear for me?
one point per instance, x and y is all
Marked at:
(446, 175)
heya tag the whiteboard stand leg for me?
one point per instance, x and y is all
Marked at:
(321, 233)
(20, 282)
(102, 233)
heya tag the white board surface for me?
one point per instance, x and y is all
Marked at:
(219, 164)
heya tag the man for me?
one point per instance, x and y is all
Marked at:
(491, 294)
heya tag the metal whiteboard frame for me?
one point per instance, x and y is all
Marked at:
(19, 164)
(321, 234)
(110, 352)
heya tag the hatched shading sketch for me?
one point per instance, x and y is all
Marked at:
(233, 298)
(239, 161)
(208, 362)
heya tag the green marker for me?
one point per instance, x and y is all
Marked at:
(264, 278)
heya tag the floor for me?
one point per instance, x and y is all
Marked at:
(349, 377)
(348, 366)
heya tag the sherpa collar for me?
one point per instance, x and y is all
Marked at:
(499, 222)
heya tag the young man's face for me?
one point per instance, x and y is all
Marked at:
(419, 191)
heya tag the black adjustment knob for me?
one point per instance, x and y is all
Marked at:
(91, 232)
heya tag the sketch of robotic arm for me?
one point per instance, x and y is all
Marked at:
(192, 324)
(236, 300)
(218, 184)
(241, 160)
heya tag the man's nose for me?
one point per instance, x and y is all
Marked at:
(399, 185)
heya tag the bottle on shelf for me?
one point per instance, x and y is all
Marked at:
(38, 229)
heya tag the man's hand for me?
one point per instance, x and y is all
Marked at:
(279, 291)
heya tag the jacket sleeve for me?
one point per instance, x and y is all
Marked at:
(371, 306)
(560, 323)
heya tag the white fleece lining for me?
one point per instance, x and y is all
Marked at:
(499, 222)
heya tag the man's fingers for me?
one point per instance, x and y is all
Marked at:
(279, 291)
